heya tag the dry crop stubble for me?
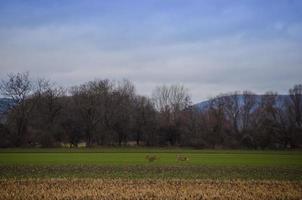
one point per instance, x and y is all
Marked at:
(114, 189)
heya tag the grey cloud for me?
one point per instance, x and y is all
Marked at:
(207, 67)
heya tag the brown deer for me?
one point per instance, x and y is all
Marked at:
(151, 158)
(181, 158)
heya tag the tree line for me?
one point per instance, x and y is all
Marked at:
(108, 113)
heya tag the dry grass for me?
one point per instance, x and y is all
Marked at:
(147, 189)
(183, 171)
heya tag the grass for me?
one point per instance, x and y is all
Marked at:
(142, 150)
(125, 173)
(132, 163)
(137, 157)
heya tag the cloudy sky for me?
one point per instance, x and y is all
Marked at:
(210, 46)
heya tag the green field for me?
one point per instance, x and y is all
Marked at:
(132, 163)
(163, 158)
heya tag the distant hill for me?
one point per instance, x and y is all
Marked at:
(206, 104)
(4, 105)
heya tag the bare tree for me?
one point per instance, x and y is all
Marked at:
(19, 87)
(123, 100)
(249, 105)
(216, 121)
(102, 112)
(171, 102)
(145, 120)
(232, 109)
(88, 103)
(294, 112)
(46, 114)
(174, 98)
(265, 124)
(48, 101)
(296, 104)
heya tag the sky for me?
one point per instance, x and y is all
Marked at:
(209, 46)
